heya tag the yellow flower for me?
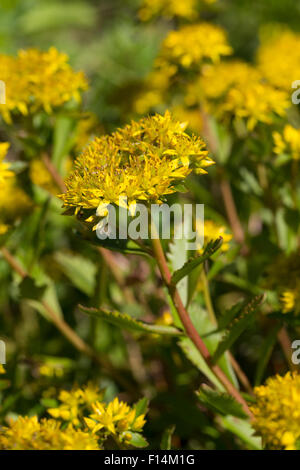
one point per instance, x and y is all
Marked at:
(193, 44)
(13, 200)
(74, 402)
(279, 59)
(237, 90)
(283, 277)
(143, 161)
(38, 80)
(183, 55)
(288, 300)
(288, 141)
(4, 167)
(168, 8)
(29, 434)
(40, 176)
(277, 411)
(116, 418)
(2, 370)
(51, 370)
(212, 231)
(165, 319)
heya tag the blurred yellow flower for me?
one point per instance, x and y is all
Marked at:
(212, 231)
(236, 89)
(50, 370)
(4, 167)
(279, 59)
(14, 202)
(288, 141)
(288, 300)
(40, 176)
(38, 80)
(277, 411)
(191, 45)
(168, 8)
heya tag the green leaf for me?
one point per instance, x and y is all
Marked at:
(137, 440)
(192, 353)
(166, 441)
(230, 314)
(62, 142)
(243, 430)
(220, 402)
(129, 323)
(192, 263)
(265, 353)
(30, 290)
(81, 271)
(236, 328)
(47, 16)
(141, 407)
(4, 384)
(242, 284)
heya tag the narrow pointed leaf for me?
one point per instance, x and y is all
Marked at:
(219, 402)
(265, 353)
(192, 263)
(129, 323)
(166, 442)
(237, 326)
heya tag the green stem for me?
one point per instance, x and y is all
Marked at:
(210, 309)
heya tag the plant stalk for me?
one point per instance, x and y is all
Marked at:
(190, 328)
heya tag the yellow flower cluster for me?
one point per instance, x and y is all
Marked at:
(277, 411)
(143, 161)
(4, 167)
(236, 89)
(116, 418)
(279, 59)
(168, 8)
(182, 51)
(74, 403)
(30, 434)
(287, 142)
(191, 45)
(70, 428)
(38, 80)
(14, 202)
